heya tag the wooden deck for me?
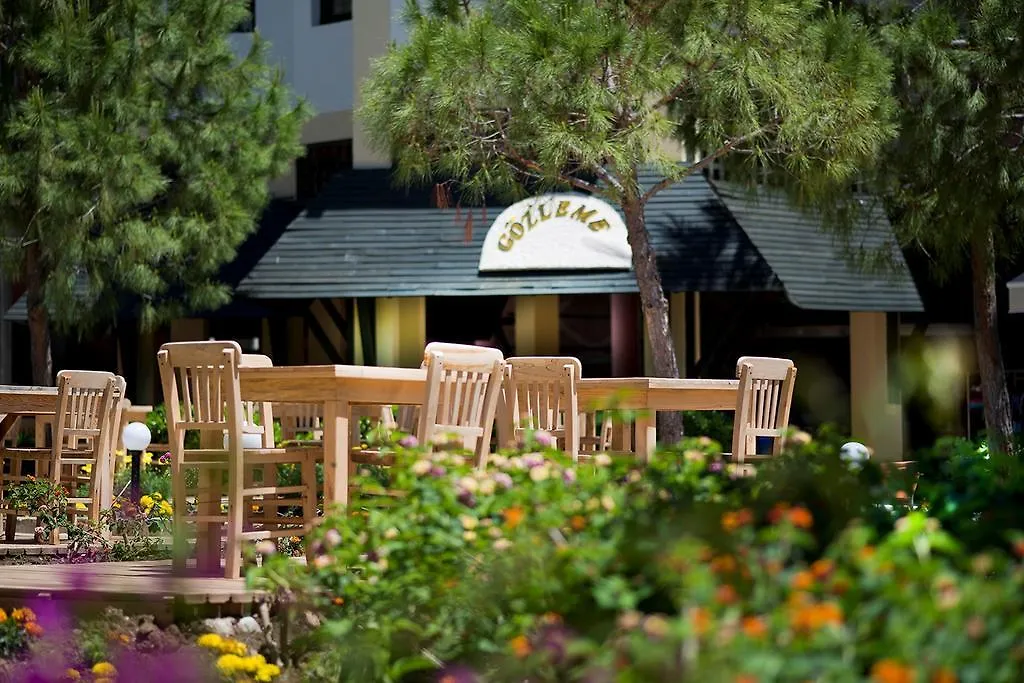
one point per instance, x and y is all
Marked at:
(119, 582)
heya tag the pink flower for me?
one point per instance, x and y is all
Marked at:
(332, 538)
(266, 547)
(503, 480)
(409, 441)
(569, 476)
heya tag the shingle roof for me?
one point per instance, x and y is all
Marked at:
(811, 263)
(364, 238)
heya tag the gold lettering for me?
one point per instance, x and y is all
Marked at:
(528, 218)
(599, 225)
(540, 210)
(516, 230)
(505, 242)
(582, 215)
(563, 209)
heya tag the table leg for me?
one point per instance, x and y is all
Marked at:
(336, 453)
(646, 435)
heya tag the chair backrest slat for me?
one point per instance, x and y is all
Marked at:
(201, 388)
(462, 396)
(542, 393)
(762, 404)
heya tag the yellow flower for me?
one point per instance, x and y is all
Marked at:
(157, 496)
(87, 468)
(72, 675)
(104, 669)
(210, 640)
(147, 458)
(80, 506)
(267, 672)
(23, 614)
(3, 616)
(166, 509)
(146, 502)
(229, 664)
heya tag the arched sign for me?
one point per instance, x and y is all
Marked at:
(557, 232)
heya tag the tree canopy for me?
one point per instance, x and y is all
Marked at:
(138, 148)
(520, 96)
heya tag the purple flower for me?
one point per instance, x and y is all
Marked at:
(164, 459)
(532, 460)
(457, 673)
(408, 441)
(502, 479)
(438, 471)
(569, 476)
(544, 438)
(554, 639)
(467, 498)
(716, 466)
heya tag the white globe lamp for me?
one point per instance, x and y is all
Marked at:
(136, 439)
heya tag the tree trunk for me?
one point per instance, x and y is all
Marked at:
(655, 310)
(995, 397)
(38, 320)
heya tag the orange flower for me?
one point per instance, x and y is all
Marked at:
(745, 516)
(754, 627)
(701, 620)
(891, 671)
(723, 564)
(578, 522)
(773, 567)
(746, 678)
(551, 618)
(705, 554)
(1018, 547)
(726, 594)
(513, 516)
(822, 568)
(803, 581)
(339, 601)
(33, 629)
(520, 646)
(730, 521)
(801, 518)
(866, 553)
(944, 675)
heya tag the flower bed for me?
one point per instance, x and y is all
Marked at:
(538, 570)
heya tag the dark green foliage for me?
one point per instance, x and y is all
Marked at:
(138, 148)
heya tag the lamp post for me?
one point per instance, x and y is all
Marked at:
(136, 440)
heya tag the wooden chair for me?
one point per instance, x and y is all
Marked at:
(83, 435)
(541, 393)
(594, 438)
(762, 406)
(202, 393)
(462, 398)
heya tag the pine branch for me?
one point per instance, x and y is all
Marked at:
(525, 164)
(729, 146)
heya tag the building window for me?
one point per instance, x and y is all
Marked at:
(248, 25)
(320, 163)
(333, 11)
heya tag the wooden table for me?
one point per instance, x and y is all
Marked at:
(337, 388)
(651, 394)
(17, 401)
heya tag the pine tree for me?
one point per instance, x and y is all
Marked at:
(500, 95)
(955, 175)
(138, 148)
